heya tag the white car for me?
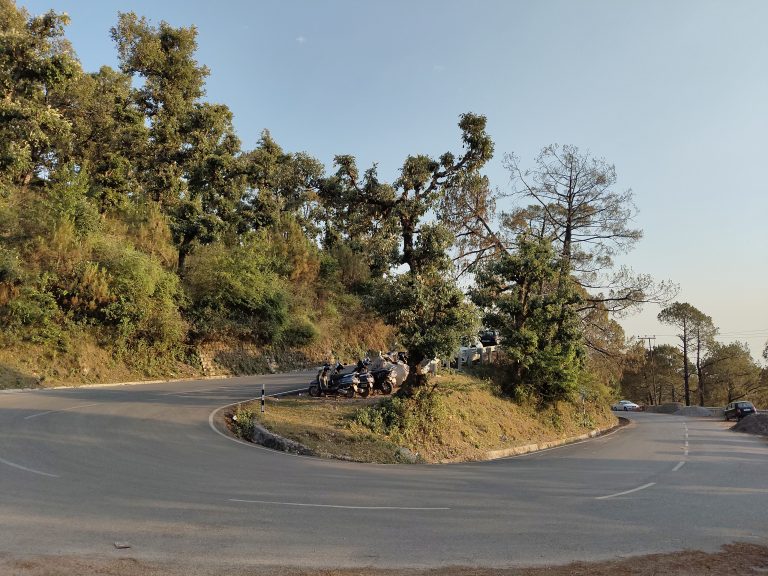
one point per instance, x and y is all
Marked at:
(468, 355)
(625, 405)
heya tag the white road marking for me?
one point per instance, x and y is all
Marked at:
(57, 411)
(333, 505)
(20, 467)
(679, 465)
(643, 487)
(220, 433)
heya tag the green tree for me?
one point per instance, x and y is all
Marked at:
(396, 212)
(430, 312)
(652, 375)
(535, 313)
(704, 332)
(685, 317)
(109, 138)
(35, 61)
(191, 169)
(281, 184)
(732, 374)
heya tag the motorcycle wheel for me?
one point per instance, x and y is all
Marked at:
(314, 390)
(386, 388)
(365, 392)
(350, 392)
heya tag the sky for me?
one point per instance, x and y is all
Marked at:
(674, 93)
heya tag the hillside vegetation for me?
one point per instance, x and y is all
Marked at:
(139, 239)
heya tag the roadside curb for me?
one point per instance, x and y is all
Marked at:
(265, 438)
(529, 448)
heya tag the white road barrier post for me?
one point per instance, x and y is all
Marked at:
(262, 398)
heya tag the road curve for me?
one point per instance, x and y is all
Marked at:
(81, 469)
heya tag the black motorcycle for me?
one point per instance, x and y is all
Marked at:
(333, 381)
(384, 380)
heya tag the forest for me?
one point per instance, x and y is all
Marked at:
(138, 238)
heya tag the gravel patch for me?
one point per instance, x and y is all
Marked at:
(753, 424)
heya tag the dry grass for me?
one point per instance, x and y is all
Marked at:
(469, 421)
(326, 425)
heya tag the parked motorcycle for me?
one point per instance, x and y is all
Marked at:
(367, 379)
(384, 379)
(332, 381)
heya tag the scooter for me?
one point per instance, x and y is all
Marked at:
(384, 379)
(367, 380)
(331, 382)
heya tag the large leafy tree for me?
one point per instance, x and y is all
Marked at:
(35, 62)
(364, 207)
(281, 185)
(732, 374)
(535, 313)
(109, 137)
(191, 166)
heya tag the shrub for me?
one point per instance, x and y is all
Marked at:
(406, 419)
(244, 422)
(299, 332)
(32, 314)
(146, 307)
(232, 291)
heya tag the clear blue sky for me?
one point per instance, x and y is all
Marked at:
(674, 93)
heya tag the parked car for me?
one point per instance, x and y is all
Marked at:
(739, 409)
(489, 337)
(625, 405)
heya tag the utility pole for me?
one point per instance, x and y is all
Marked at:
(653, 371)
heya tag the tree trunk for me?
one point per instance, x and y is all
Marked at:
(412, 382)
(183, 253)
(699, 371)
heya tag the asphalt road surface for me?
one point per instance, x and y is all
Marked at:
(144, 466)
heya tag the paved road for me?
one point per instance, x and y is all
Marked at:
(82, 469)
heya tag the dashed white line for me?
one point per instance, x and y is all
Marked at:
(57, 411)
(335, 505)
(643, 487)
(679, 465)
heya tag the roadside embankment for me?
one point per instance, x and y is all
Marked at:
(465, 419)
